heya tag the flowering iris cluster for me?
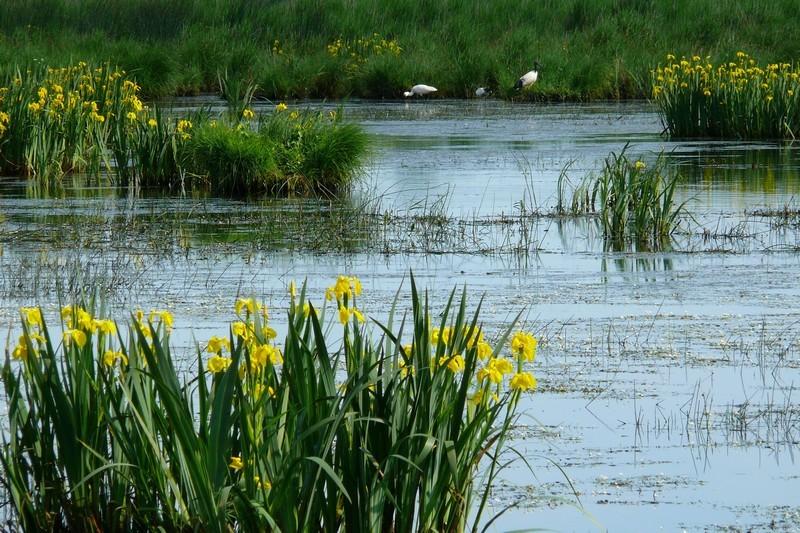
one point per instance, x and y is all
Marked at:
(345, 291)
(82, 329)
(69, 96)
(735, 99)
(359, 51)
(254, 332)
(491, 376)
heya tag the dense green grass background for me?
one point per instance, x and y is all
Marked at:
(589, 49)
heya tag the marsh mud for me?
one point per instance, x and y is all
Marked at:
(667, 394)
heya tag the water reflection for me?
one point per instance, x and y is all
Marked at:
(739, 175)
(637, 263)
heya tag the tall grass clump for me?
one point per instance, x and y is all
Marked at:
(232, 161)
(157, 151)
(315, 151)
(283, 151)
(368, 65)
(635, 201)
(342, 427)
(733, 100)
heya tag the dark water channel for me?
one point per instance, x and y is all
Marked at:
(667, 393)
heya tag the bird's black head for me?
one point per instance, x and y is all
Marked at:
(536, 66)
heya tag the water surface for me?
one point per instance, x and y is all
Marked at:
(667, 380)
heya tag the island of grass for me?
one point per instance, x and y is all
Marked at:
(90, 119)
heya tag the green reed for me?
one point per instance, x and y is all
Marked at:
(634, 200)
(232, 161)
(398, 428)
(732, 100)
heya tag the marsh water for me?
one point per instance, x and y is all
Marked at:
(667, 394)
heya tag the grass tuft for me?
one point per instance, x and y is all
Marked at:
(635, 201)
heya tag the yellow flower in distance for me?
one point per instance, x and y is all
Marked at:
(111, 356)
(523, 381)
(218, 364)
(164, 316)
(105, 326)
(490, 372)
(404, 368)
(477, 398)
(247, 303)
(260, 388)
(344, 286)
(240, 329)
(484, 350)
(473, 335)
(263, 353)
(262, 484)
(85, 320)
(216, 344)
(281, 107)
(524, 344)
(75, 335)
(444, 336)
(33, 316)
(503, 365)
(495, 369)
(21, 351)
(455, 363)
(236, 463)
(344, 315)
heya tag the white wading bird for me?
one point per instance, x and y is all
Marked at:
(483, 91)
(528, 78)
(420, 90)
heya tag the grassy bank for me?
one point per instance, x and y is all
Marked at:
(588, 49)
